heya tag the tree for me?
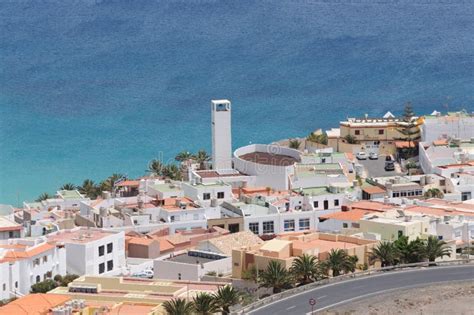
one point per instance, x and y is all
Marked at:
(306, 269)
(89, 189)
(385, 252)
(409, 251)
(43, 196)
(434, 193)
(350, 139)
(250, 274)
(294, 144)
(108, 184)
(225, 297)
(321, 138)
(63, 281)
(68, 186)
(178, 307)
(434, 248)
(43, 286)
(338, 261)
(156, 167)
(205, 304)
(172, 171)
(275, 276)
(183, 156)
(351, 264)
(201, 157)
(409, 128)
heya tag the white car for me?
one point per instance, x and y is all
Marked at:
(144, 274)
(361, 156)
(373, 156)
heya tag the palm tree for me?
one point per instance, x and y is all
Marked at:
(385, 252)
(435, 248)
(178, 307)
(205, 304)
(321, 138)
(183, 156)
(108, 184)
(201, 157)
(43, 196)
(156, 167)
(225, 297)
(89, 188)
(338, 261)
(306, 269)
(434, 193)
(409, 251)
(350, 139)
(275, 276)
(294, 144)
(172, 171)
(68, 186)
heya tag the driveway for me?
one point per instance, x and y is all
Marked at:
(376, 168)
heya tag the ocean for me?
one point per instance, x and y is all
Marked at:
(90, 88)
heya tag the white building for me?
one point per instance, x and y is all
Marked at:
(221, 134)
(192, 266)
(10, 229)
(92, 251)
(26, 262)
(208, 194)
(453, 125)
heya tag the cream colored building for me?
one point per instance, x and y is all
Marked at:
(288, 247)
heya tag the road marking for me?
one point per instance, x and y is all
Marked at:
(291, 307)
(321, 297)
(359, 278)
(361, 297)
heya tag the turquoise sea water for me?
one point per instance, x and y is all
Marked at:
(88, 88)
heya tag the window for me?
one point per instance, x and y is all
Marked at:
(220, 195)
(45, 259)
(101, 268)
(336, 202)
(268, 227)
(344, 225)
(465, 196)
(110, 265)
(172, 218)
(442, 182)
(289, 225)
(206, 196)
(179, 276)
(110, 247)
(326, 204)
(396, 194)
(16, 284)
(101, 250)
(38, 279)
(36, 262)
(315, 204)
(4, 287)
(357, 132)
(381, 131)
(253, 227)
(304, 224)
(10, 234)
(400, 234)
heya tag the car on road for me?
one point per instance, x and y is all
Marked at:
(389, 166)
(373, 156)
(361, 156)
(388, 158)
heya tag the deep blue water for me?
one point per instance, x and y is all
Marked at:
(88, 88)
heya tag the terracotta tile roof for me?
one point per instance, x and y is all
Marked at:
(352, 215)
(165, 246)
(129, 183)
(371, 205)
(373, 190)
(404, 144)
(13, 255)
(141, 241)
(440, 142)
(34, 304)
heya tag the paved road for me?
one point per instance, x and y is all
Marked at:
(376, 168)
(335, 294)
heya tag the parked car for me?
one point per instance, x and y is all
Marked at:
(389, 166)
(373, 156)
(361, 156)
(388, 158)
(148, 274)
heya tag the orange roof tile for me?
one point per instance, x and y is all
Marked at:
(165, 245)
(17, 255)
(141, 241)
(371, 205)
(440, 142)
(130, 183)
(34, 304)
(352, 215)
(404, 144)
(374, 190)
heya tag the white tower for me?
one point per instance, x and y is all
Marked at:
(221, 135)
